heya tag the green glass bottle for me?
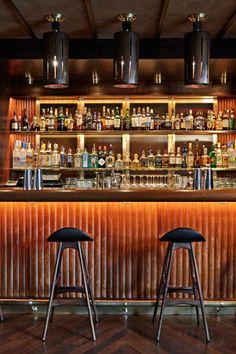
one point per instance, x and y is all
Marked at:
(212, 156)
(127, 120)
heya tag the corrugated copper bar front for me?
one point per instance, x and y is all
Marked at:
(126, 258)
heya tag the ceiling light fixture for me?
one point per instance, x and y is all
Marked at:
(56, 54)
(223, 78)
(197, 53)
(126, 54)
(158, 79)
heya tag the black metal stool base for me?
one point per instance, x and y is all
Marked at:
(195, 290)
(55, 289)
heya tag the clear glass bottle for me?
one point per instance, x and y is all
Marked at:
(143, 159)
(94, 157)
(29, 156)
(138, 119)
(172, 159)
(190, 156)
(118, 162)
(219, 159)
(219, 121)
(148, 119)
(78, 120)
(51, 121)
(99, 122)
(62, 157)
(85, 159)
(178, 158)
(110, 158)
(127, 161)
(205, 158)
(78, 159)
(134, 119)
(177, 122)
(151, 159)
(199, 121)
(225, 157)
(49, 154)
(55, 156)
(69, 158)
(135, 163)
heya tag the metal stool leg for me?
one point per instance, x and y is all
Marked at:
(165, 292)
(55, 276)
(90, 289)
(200, 294)
(86, 291)
(194, 284)
(160, 288)
(56, 286)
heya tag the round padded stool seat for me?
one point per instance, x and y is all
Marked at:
(183, 234)
(69, 234)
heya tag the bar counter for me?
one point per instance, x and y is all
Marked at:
(108, 195)
(125, 260)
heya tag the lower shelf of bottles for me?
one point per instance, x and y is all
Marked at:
(146, 169)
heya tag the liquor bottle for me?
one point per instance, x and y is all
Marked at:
(210, 121)
(178, 158)
(99, 122)
(190, 156)
(67, 119)
(84, 119)
(231, 119)
(177, 122)
(118, 162)
(22, 160)
(167, 124)
(148, 119)
(143, 159)
(231, 154)
(143, 119)
(172, 121)
(94, 157)
(78, 120)
(127, 161)
(133, 119)
(62, 157)
(36, 157)
(138, 119)
(85, 159)
(88, 120)
(25, 122)
(55, 118)
(78, 159)
(151, 159)
(47, 119)
(69, 158)
(158, 159)
(184, 156)
(42, 155)
(117, 122)
(112, 119)
(225, 157)
(165, 159)
(61, 120)
(225, 119)
(103, 117)
(127, 120)
(71, 122)
(34, 126)
(135, 163)
(199, 121)
(16, 154)
(212, 157)
(42, 122)
(157, 121)
(152, 119)
(172, 159)
(219, 121)
(110, 158)
(219, 159)
(108, 120)
(197, 162)
(205, 158)
(101, 158)
(14, 123)
(188, 121)
(122, 120)
(19, 124)
(29, 156)
(51, 121)
(49, 154)
(182, 121)
(55, 156)
(94, 121)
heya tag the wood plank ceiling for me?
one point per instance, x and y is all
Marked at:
(97, 19)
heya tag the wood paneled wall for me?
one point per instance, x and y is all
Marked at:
(126, 258)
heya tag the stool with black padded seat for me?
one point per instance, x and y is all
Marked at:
(177, 239)
(70, 238)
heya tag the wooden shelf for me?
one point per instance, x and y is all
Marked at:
(145, 169)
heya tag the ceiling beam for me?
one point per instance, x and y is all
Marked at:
(227, 25)
(162, 17)
(163, 48)
(26, 25)
(91, 19)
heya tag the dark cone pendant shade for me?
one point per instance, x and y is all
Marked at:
(56, 54)
(197, 52)
(126, 54)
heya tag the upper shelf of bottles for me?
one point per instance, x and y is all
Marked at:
(74, 133)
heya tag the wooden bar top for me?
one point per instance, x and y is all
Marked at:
(93, 195)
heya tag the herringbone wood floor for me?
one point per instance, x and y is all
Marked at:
(116, 334)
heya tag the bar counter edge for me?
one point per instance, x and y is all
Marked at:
(73, 195)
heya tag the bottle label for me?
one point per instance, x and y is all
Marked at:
(14, 126)
(101, 162)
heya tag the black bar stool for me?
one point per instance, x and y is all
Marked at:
(180, 238)
(70, 238)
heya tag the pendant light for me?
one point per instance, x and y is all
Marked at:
(56, 54)
(197, 52)
(126, 54)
